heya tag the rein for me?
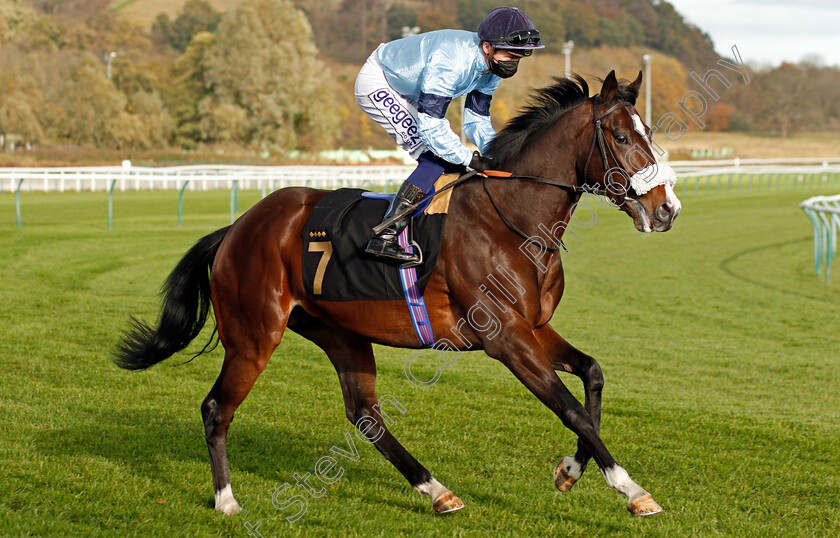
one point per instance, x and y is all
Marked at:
(413, 207)
(572, 189)
(603, 147)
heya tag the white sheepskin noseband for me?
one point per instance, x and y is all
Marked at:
(653, 176)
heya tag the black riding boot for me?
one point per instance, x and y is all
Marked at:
(384, 245)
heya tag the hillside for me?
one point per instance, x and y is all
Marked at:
(347, 30)
(177, 82)
(145, 11)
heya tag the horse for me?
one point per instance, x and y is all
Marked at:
(251, 273)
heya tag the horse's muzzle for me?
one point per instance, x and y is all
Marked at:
(637, 211)
(665, 215)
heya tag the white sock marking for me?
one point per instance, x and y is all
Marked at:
(225, 501)
(573, 468)
(432, 488)
(618, 479)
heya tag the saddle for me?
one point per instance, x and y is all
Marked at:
(335, 267)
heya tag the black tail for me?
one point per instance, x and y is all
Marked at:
(186, 303)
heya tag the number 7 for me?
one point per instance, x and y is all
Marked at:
(326, 248)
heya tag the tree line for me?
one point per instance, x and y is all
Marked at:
(350, 29)
(251, 76)
(277, 75)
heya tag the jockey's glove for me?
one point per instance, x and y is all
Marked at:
(480, 163)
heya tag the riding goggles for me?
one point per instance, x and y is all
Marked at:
(520, 38)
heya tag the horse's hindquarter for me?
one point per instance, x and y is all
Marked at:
(258, 280)
(266, 233)
(256, 273)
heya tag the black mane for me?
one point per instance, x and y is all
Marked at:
(546, 107)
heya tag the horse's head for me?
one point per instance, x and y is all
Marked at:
(621, 161)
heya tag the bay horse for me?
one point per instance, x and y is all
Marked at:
(251, 271)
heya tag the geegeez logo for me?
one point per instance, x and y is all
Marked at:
(404, 123)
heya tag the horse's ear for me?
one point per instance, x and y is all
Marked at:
(609, 87)
(636, 84)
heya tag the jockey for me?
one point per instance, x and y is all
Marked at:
(406, 86)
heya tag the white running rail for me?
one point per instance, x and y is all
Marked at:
(200, 177)
(206, 177)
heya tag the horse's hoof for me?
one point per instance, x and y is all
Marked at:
(230, 510)
(562, 480)
(448, 502)
(644, 506)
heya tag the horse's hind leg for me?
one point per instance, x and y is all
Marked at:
(353, 360)
(239, 372)
(248, 346)
(567, 358)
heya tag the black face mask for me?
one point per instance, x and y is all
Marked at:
(504, 69)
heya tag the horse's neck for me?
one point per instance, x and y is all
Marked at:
(533, 206)
(555, 156)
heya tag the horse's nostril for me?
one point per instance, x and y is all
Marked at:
(666, 208)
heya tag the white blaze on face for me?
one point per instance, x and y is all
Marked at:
(639, 127)
(656, 174)
(637, 124)
(671, 196)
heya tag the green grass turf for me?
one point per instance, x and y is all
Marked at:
(718, 342)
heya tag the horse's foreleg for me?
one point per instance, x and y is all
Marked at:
(354, 362)
(566, 357)
(532, 366)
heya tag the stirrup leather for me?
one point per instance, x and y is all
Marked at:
(385, 245)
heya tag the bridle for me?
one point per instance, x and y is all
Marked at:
(576, 190)
(603, 147)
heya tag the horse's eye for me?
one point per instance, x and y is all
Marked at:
(621, 139)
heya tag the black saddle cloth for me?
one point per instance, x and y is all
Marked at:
(334, 240)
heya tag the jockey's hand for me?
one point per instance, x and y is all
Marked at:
(480, 163)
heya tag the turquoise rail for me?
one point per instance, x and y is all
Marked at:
(824, 214)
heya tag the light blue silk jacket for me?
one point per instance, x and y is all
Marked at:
(430, 70)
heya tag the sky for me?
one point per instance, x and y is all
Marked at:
(768, 31)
